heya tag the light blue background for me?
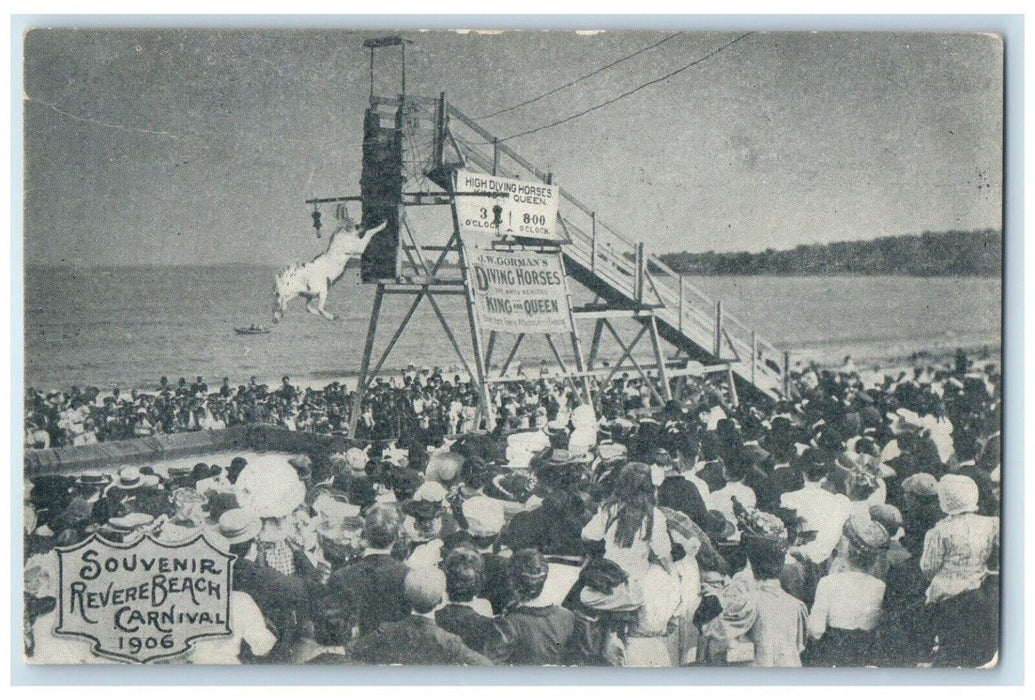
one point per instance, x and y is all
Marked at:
(1010, 670)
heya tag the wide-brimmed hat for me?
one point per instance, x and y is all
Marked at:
(130, 478)
(443, 467)
(130, 522)
(718, 527)
(93, 479)
(957, 494)
(888, 516)
(484, 516)
(272, 490)
(515, 487)
(864, 534)
(238, 525)
(905, 421)
(920, 484)
(612, 451)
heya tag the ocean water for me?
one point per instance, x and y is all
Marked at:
(127, 327)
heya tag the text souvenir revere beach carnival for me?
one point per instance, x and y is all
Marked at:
(143, 600)
(522, 208)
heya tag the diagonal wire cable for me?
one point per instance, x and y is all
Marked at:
(577, 80)
(627, 93)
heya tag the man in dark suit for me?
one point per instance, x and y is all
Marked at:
(415, 639)
(465, 615)
(370, 591)
(676, 492)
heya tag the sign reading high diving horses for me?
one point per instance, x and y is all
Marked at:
(519, 291)
(523, 208)
(143, 600)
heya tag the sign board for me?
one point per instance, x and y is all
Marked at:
(523, 208)
(143, 600)
(519, 291)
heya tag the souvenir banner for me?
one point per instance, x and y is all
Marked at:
(523, 208)
(144, 600)
(519, 291)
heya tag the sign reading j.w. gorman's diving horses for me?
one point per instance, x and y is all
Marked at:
(143, 600)
(519, 291)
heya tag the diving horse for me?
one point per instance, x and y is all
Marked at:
(313, 280)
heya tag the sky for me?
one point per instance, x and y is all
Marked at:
(147, 147)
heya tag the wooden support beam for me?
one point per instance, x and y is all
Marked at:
(398, 333)
(452, 339)
(364, 366)
(666, 390)
(513, 352)
(595, 344)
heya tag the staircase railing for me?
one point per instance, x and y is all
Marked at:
(627, 267)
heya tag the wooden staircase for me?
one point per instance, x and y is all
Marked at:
(622, 272)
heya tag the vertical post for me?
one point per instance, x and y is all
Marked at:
(371, 73)
(495, 155)
(733, 385)
(364, 366)
(404, 68)
(786, 374)
(754, 354)
(593, 259)
(718, 330)
(440, 128)
(682, 302)
(639, 272)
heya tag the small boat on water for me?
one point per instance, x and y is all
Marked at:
(254, 329)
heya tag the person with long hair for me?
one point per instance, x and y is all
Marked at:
(633, 530)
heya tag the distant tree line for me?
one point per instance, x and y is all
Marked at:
(955, 253)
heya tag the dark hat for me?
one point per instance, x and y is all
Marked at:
(661, 457)
(361, 491)
(93, 479)
(179, 472)
(406, 479)
(422, 510)
(717, 527)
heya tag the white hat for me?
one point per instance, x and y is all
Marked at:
(957, 494)
(356, 459)
(443, 467)
(270, 490)
(484, 516)
(431, 491)
(584, 417)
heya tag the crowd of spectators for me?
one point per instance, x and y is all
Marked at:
(856, 524)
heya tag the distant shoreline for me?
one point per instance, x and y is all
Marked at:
(891, 362)
(696, 273)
